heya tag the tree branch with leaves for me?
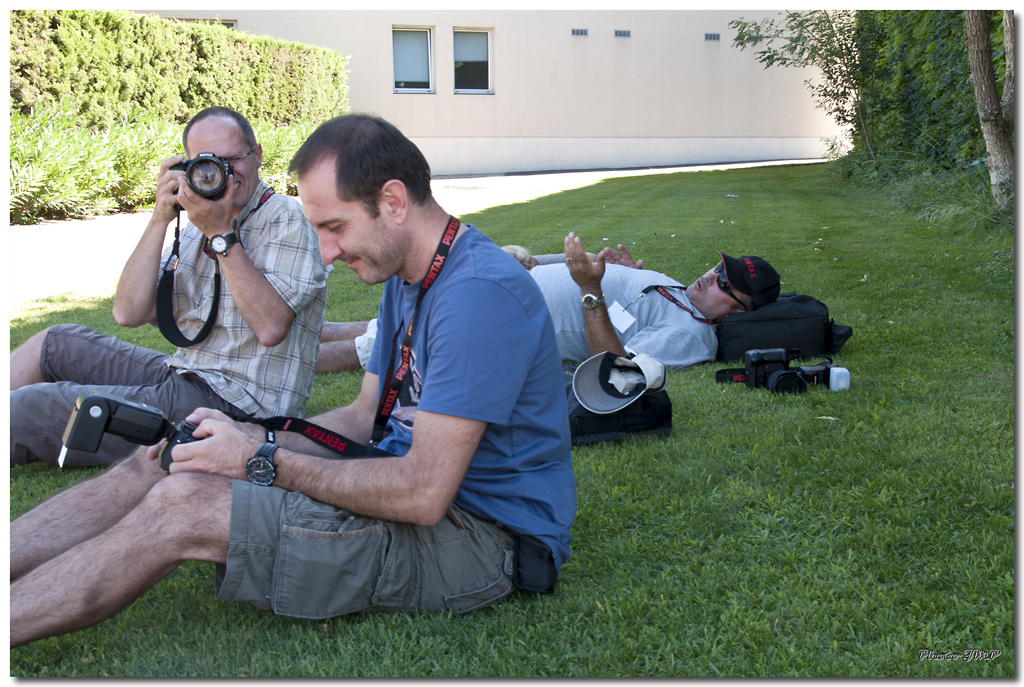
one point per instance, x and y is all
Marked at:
(815, 38)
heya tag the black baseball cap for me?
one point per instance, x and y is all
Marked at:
(753, 276)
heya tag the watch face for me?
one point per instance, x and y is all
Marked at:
(591, 301)
(260, 471)
(219, 244)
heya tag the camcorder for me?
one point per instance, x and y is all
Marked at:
(207, 174)
(769, 368)
(95, 415)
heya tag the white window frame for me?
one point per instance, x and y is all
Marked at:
(430, 59)
(490, 61)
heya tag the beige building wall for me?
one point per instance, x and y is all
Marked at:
(663, 96)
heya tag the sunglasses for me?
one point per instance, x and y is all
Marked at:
(723, 284)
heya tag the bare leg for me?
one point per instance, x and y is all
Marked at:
(80, 512)
(342, 331)
(25, 362)
(184, 517)
(336, 356)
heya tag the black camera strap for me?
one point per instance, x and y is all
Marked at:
(165, 300)
(395, 380)
(165, 288)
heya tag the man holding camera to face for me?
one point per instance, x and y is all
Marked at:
(461, 489)
(244, 294)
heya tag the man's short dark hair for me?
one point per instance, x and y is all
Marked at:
(248, 135)
(368, 152)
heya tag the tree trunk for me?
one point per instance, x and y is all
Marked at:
(1008, 94)
(998, 141)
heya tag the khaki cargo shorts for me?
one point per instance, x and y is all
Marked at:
(302, 558)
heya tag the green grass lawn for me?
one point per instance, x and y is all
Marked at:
(828, 534)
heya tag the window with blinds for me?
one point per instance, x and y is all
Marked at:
(412, 51)
(473, 62)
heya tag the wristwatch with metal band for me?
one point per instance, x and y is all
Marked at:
(590, 301)
(261, 469)
(221, 243)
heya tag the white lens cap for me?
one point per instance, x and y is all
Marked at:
(839, 379)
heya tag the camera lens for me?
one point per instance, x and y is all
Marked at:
(206, 177)
(785, 382)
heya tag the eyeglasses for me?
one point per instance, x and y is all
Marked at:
(236, 158)
(723, 284)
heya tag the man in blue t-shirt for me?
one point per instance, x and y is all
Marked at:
(469, 493)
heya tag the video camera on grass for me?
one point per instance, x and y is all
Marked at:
(95, 415)
(769, 368)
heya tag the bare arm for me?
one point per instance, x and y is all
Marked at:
(135, 300)
(600, 332)
(417, 487)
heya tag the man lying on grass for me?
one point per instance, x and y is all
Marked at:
(471, 497)
(607, 303)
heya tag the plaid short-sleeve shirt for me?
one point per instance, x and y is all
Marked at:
(257, 379)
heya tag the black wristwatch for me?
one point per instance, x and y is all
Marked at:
(261, 469)
(590, 301)
(221, 243)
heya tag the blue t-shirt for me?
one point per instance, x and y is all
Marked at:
(484, 348)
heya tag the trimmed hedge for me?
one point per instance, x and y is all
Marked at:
(113, 63)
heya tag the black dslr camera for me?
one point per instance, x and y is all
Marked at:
(95, 415)
(769, 368)
(206, 174)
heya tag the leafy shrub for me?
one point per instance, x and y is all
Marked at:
(60, 170)
(57, 173)
(279, 145)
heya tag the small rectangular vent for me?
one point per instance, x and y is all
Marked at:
(579, 32)
(712, 36)
(622, 33)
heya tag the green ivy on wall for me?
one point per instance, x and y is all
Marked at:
(916, 87)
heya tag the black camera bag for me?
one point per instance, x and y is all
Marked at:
(794, 321)
(649, 414)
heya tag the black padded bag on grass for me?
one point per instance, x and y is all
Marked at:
(649, 414)
(794, 321)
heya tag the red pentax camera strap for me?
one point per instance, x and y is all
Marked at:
(396, 379)
(731, 375)
(663, 290)
(393, 381)
(341, 445)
